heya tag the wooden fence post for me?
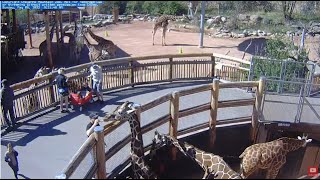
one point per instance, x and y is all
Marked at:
(131, 66)
(213, 59)
(257, 107)
(51, 89)
(213, 111)
(100, 152)
(174, 111)
(170, 68)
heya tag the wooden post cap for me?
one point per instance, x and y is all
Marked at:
(98, 129)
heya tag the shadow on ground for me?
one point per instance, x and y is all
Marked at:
(256, 48)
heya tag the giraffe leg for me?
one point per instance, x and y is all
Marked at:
(272, 173)
(154, 33)
(164, 35)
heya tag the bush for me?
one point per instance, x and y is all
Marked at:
(164, 7)
(281, 49)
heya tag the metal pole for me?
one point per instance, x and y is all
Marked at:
(202, 23)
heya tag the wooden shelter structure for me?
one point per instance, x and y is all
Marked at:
(12, 37)
(57, 15)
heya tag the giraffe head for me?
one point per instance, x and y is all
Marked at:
(122, 111)
(159, 140)
(305, 139)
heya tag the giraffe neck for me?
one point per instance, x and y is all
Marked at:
(136, 136)
(95, 37)
(87, 42)
(291, 144)
(185, 149)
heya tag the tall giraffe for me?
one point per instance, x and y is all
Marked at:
(207, 161)
(269, 155)
(107, 45)
(43, 45)
(162, 22)
(95, 51)
(127, 112)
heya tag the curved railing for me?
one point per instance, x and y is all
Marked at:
(129, 71)
(173, 117)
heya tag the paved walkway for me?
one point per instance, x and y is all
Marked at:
(47, 143)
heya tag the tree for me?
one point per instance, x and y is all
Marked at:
(134, 6)
(288, 7)
(107, 7)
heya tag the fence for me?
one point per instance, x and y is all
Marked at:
(173, 117)
(38, 94)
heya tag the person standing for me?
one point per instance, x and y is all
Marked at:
(7, 97)
(96, 75)
(12, 160)
(94, 121)
(62, 83)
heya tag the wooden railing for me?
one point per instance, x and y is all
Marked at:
(173, 116)
(129, 71)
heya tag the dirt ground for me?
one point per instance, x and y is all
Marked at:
(135, 39)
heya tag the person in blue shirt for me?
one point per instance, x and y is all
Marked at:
(62, 82)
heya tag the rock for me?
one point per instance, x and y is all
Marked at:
(223, 19)
(210, 21)
(245, 32)
(225, 30)
(241, 35)
(259, 31)
(269, 34)
(243, 17)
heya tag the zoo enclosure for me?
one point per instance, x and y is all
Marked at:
(38, 94)
(173, 118)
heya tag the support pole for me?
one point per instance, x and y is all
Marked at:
(213, 112)
(257, 108)
(202, 23)
(57, 29)
(100, 152)
(61, 27)
(173, 129)
(14, 21)
(29, 29)
(48, 38)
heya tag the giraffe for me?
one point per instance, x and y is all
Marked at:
(107, 45)
(95, 51)
(269, 155)
(127, 112)
(162, 22)
(207, 161)
(43, 45)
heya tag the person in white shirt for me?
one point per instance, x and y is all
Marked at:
(96, 75)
